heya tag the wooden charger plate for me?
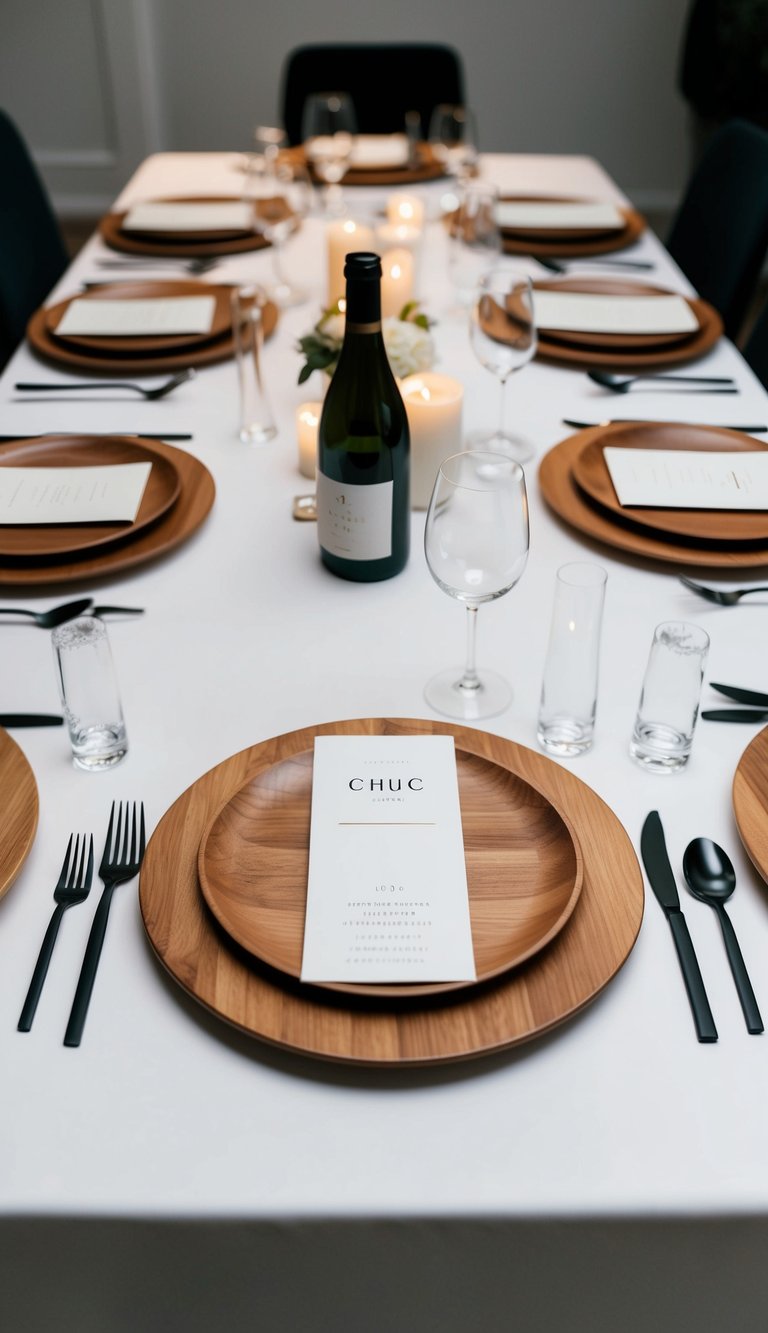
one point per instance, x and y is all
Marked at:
(161, 491)
(524, 869)
(182, 244)
(19, 804)
(561, 492)
(633, 353)
(172, 528)
(591, 473)
(146, 344)
(568, 243)
(521, 1004)
(427, 169)
(750, 801)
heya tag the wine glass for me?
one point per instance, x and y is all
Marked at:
(281, 198)
(476, 545)
(453, 137)
(328, 128)
(474, 243)
(502, 332)
(268, 140)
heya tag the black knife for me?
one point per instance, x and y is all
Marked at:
(637, 421)
(656, 861)
(735, 715)
(753, 697)
(30, 720)
(134, 434)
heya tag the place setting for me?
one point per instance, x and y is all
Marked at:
(559, 227)
(193, 226)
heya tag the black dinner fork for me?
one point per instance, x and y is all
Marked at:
(120, 862)
(73, 887)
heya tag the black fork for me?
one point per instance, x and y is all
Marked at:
(120, 861)
(73, 887)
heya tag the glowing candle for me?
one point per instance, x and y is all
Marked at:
(433, 404)
(344, 237)
(307, 422)
(405, 210)
(396, 281)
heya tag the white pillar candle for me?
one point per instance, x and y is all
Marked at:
(307, 422)
(405, 210)
(344, 237)
(396, 281)
(433, 404)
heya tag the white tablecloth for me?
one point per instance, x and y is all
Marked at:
(171, 1172)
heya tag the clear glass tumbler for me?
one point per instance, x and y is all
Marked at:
(89, 694)
(256, 422)
(669, 701)
(569, 688)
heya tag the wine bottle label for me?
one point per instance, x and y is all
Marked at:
(355, 522)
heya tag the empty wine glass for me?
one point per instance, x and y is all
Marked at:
(474, 243)
(281, 199)
(502, 332)
(476, 545)
(453, 138)
(328, 130)
(267, 141)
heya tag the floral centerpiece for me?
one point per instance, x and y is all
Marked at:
(407, 339)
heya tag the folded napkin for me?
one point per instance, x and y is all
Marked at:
(511, 213)
(155, 316)
(380, 150)
(580, 312)
(228, 216)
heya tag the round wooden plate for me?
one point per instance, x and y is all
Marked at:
(428, 169)
(521, 1004)
(155, 345)
(559, 488)
(172, 528)
(556, 242)
(180, 244)
(750, 801)
(524, 869)
(19, 804)
(161, 491)
(706, 525)
(622, 342)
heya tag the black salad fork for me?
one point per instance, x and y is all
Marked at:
(73, 887)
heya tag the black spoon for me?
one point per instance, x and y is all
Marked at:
(712, 879)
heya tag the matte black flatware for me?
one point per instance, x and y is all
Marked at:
(120, 862)
(566, 265)
(749, 715)
(201, 264)
(152, 393)
(720, 596)
(73, 887)
(30, 720)
(656, 861)
(134, 434)
(712, 879)
(56, 616)
(640, 421)
(741, 696)
(623, 383)
(117, 611)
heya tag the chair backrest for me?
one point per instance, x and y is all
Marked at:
(32, 253)
(383, 80)
(756, 348)
(720, 235)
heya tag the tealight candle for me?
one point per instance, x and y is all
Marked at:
(307, 422)
(396, 281)
(344, 237)
(405, 210)
(433, 404)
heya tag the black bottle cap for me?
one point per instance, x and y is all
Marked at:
(362, 265)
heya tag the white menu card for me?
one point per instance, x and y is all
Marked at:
(156, 315)
(110, 494)
(232, 215)
(688, 479)
(572, 216)
(387, 895)
(588, 312)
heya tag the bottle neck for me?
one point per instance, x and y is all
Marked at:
(363, 314)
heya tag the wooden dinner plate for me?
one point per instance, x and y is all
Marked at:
(591, 473)
(608, 342)
(161, 491)
(524, 1003)
(750, 801)
(171, 529)
(19, 805)
(154, 345)
(561, 492)
(428, 168)
(524, 869)
(568, 242)
(184, 244)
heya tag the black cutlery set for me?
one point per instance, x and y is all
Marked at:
(711, 879)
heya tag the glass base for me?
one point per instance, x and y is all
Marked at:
(511, 446)
(565, 736)
(658, 748)
(257, 434)
(285, 296)
(99, 748)
(446, 695)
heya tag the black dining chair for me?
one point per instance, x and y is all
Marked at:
(383, 80)
(720, 235)
(32, 252)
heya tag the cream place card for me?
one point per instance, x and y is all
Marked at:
(587, 312)
(387, 895)
(557, 214)
(379, 151)
(155, 316)
(110, 494)
(228, 216)
(688, 479)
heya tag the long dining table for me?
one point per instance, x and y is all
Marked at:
(175, 1172)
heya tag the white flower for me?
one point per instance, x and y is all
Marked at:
(409, 347)
(333, 328)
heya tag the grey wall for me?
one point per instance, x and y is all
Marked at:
(128, 76)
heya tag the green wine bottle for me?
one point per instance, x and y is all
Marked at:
(363, 503)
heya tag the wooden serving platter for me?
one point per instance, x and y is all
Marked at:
(19, 804)
(750, 801)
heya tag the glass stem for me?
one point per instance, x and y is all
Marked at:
(470, 681)
(502, 406)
